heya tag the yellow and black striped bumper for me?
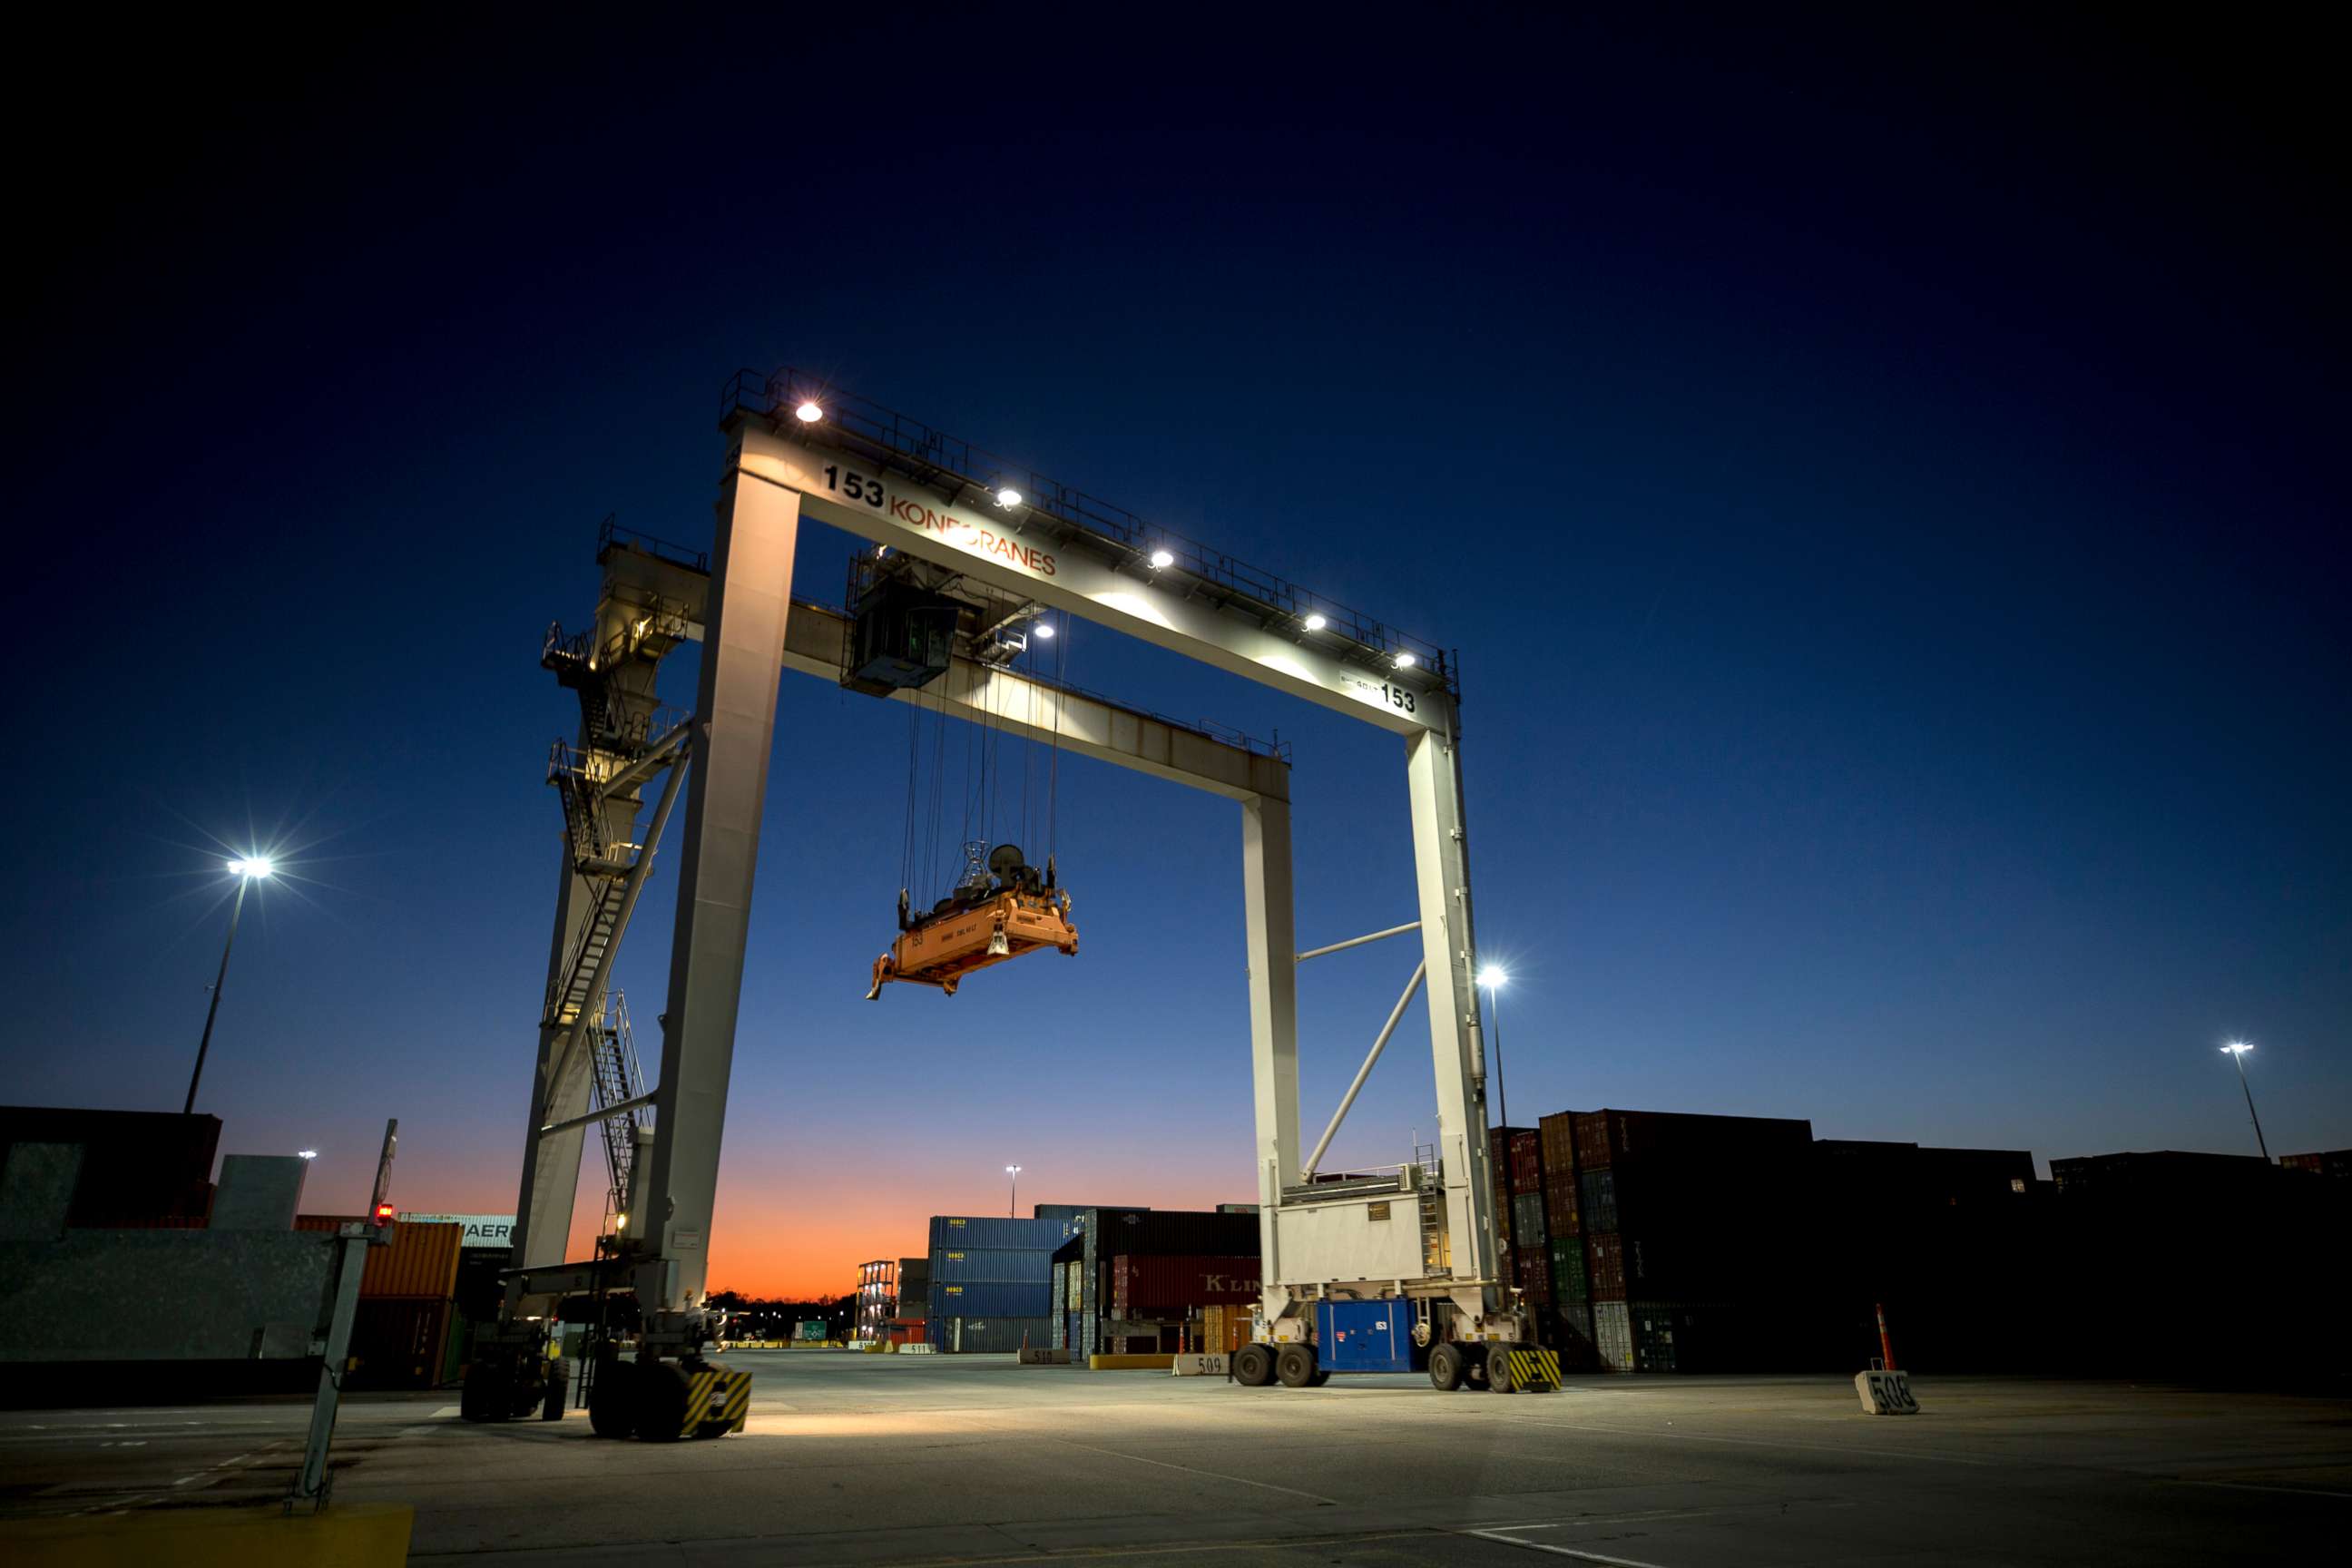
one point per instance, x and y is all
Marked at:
(717, 1400)
(1534, 1370)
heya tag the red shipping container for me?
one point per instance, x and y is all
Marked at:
(1145, 1284)
(1605, 1266)
(1533, 1270)
(1591, 1133)
(1526, 1161)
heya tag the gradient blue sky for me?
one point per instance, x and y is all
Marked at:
(1885, 486)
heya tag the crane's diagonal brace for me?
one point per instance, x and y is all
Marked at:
(1358, 940)
(1348, 1099)
(599, 1114)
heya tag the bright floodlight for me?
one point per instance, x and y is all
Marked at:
(256, 865)
(1316, 623)
(2236, 1048)
(1012, 1170)
(1492, 977)
(1008, 496)
(808, 413)
(1163, 558)
(306, 1153)
(1045, 630)
(1405, 661)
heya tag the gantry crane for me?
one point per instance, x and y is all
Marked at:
(1000, 546)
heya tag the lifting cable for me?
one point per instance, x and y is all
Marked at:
(924, 854)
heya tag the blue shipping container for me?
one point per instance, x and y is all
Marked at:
(1364, 1336)
(1024, 1266)
(989, 1299)
(960, 1232)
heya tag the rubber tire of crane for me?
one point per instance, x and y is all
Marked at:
(1447, 1370)
(486, 1390)
(613, 1399)
(1499, 1370)
(1254, 1366)
(1295, 1366)
(661, 1401)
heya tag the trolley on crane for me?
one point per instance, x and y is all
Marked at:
(1002, 909)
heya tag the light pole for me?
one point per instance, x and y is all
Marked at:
(2236, 1051)
(1493, 979)
(1012, 1204)
(246, 871)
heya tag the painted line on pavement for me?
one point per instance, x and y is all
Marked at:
(1559, 1551)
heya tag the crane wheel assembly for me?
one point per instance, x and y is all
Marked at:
(657, 1401)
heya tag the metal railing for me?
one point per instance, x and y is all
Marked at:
(610, 532)
(929, 455)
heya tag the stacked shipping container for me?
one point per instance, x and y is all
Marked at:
(404, 1333)
(991, 1282)
(1653, 1260)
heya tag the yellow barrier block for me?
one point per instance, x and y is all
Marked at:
(348, 1535)
(1131, 1362)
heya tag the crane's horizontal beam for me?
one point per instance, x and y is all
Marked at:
(1030, 553)
(1085, 726)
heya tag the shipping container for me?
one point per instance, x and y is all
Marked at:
(992, 1336)
(420, 1264)
(1527, 1233)
(1526, 1163)
(1590, 1131)
(1568, 1276)
(1562, 1213)
(1655, 1331)
(1533, 1274)
(1570, 1333)
(1365, 1336)
(399, 1344)
(1148, 1284)
(1008, 1265)
(1227, 1328)
(1604, 1266)
(1597, 1200)
(1559, 1140)
(1604, 1138)
(963, 1232)
(1171, 1232)
(1613, 1335)
(991, 1300)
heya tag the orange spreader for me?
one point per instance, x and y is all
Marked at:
(941, 951)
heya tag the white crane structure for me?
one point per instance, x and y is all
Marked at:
(1020, 546)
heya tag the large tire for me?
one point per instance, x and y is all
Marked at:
(1295, 1366)
(486, 1392)
(1254, 1366)
(661, 1401)
(1446, 1369)
(1499, 1370)
(551, 1408)
(611, 1399)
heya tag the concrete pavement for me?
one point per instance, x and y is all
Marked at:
(857, 1459)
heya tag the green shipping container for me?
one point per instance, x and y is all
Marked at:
(1567, 1282)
